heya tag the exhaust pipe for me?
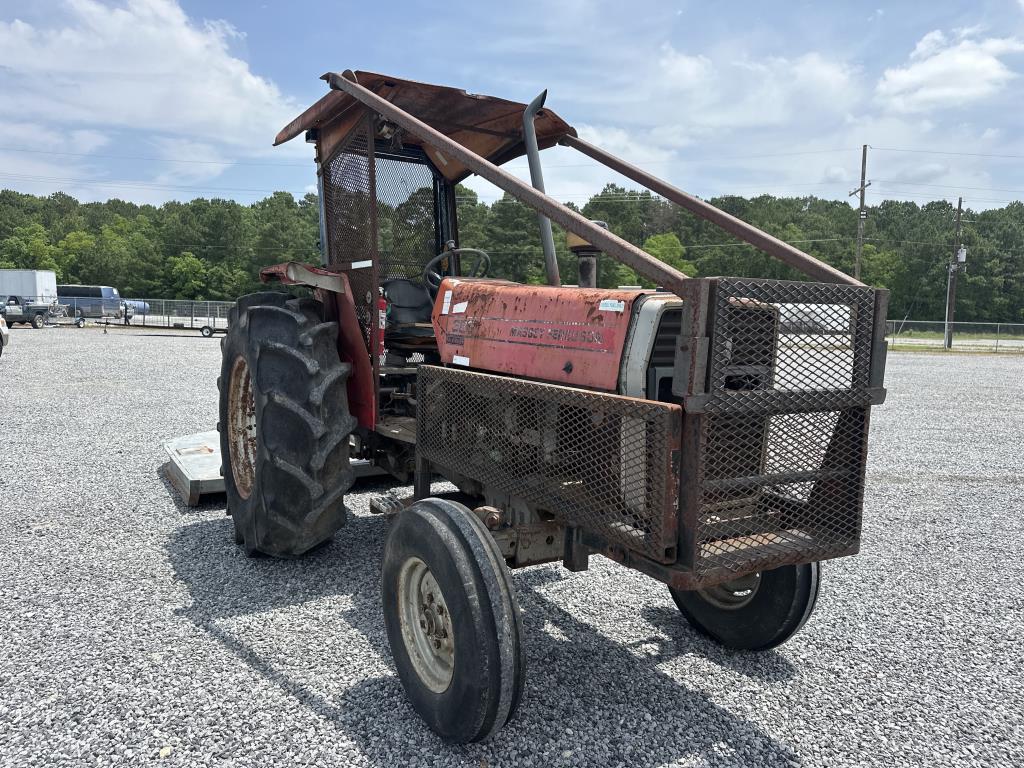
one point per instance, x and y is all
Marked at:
(547, 240)
(587, 256)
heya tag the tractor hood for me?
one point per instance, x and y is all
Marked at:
(486, 125)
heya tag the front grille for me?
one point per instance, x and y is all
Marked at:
(606, 463)
(783, 435)
(663, 352)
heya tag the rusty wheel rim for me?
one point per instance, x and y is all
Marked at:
(242, 428)
(732, 595)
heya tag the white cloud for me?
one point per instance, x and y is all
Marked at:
(942, 74)
(741, 92)
(142, 65)
(86, 140)
(204, 161)
(837, 174)
(683, 72)
(929, 45)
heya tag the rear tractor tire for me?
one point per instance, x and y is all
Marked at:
(754, 612)
(284, 425)
(452, 620)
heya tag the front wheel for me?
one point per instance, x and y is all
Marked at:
(754, 612)
(452, 620)
(38, 321)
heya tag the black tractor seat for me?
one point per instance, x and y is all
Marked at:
(409, 308)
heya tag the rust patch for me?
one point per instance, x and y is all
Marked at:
(241, 428)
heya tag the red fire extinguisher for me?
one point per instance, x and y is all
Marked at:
(382, 322)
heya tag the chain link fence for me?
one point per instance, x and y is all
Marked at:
(206, 316)
(967, 337)
(178, 313)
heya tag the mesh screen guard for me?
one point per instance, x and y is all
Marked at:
(381, 220)
(606, 463)
(781, 442)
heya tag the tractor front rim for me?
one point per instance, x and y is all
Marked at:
(242, 428)
(732, 595)
(426, 625)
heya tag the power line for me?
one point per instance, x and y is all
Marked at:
(947, 186)
(651, 161)
(151, 159)
(942, 152)
(664, 161)
(128, 183)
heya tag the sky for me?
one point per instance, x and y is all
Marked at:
(151, 100)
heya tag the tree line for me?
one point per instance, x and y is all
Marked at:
(214, 248)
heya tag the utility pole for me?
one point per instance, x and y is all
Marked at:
(957, 261)
(861, 214)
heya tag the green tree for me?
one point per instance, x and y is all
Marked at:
(186, 276)
(667, 248)
(28, 247)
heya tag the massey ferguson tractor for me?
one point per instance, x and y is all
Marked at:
(710, 433)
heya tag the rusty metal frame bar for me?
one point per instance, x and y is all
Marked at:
(748, 233)
(658, 272)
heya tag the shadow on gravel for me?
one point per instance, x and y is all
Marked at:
(208, 502)
(764, 665)
(585, 695)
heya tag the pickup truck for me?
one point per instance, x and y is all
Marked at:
(23, 309)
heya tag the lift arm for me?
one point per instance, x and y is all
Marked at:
(760, 239)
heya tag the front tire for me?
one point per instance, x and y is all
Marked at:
(755, 612)
(38, 321)
(284, 424)
(452, 620)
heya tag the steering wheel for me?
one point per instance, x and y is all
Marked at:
(433, 278)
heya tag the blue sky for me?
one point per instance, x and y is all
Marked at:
(152, 100)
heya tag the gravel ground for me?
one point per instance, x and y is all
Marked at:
(135, 632)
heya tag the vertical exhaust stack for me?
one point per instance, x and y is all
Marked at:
(547, 240)
(587, 255)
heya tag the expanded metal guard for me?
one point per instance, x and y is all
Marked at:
(380, 221)
(405, 217)
(605, 463)
(349, 211)
(783, 434)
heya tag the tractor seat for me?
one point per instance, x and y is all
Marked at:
(408, 300)
(409, 308)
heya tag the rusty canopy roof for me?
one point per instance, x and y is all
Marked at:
(486, 125)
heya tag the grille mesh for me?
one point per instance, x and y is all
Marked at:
(605, 463)
(782, 443)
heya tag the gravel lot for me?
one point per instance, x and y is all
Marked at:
(134, 631)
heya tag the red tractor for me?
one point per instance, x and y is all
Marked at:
(710, 433)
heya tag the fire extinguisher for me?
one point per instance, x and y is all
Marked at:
(382, 322)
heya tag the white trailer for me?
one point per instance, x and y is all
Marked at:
(39, 285)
